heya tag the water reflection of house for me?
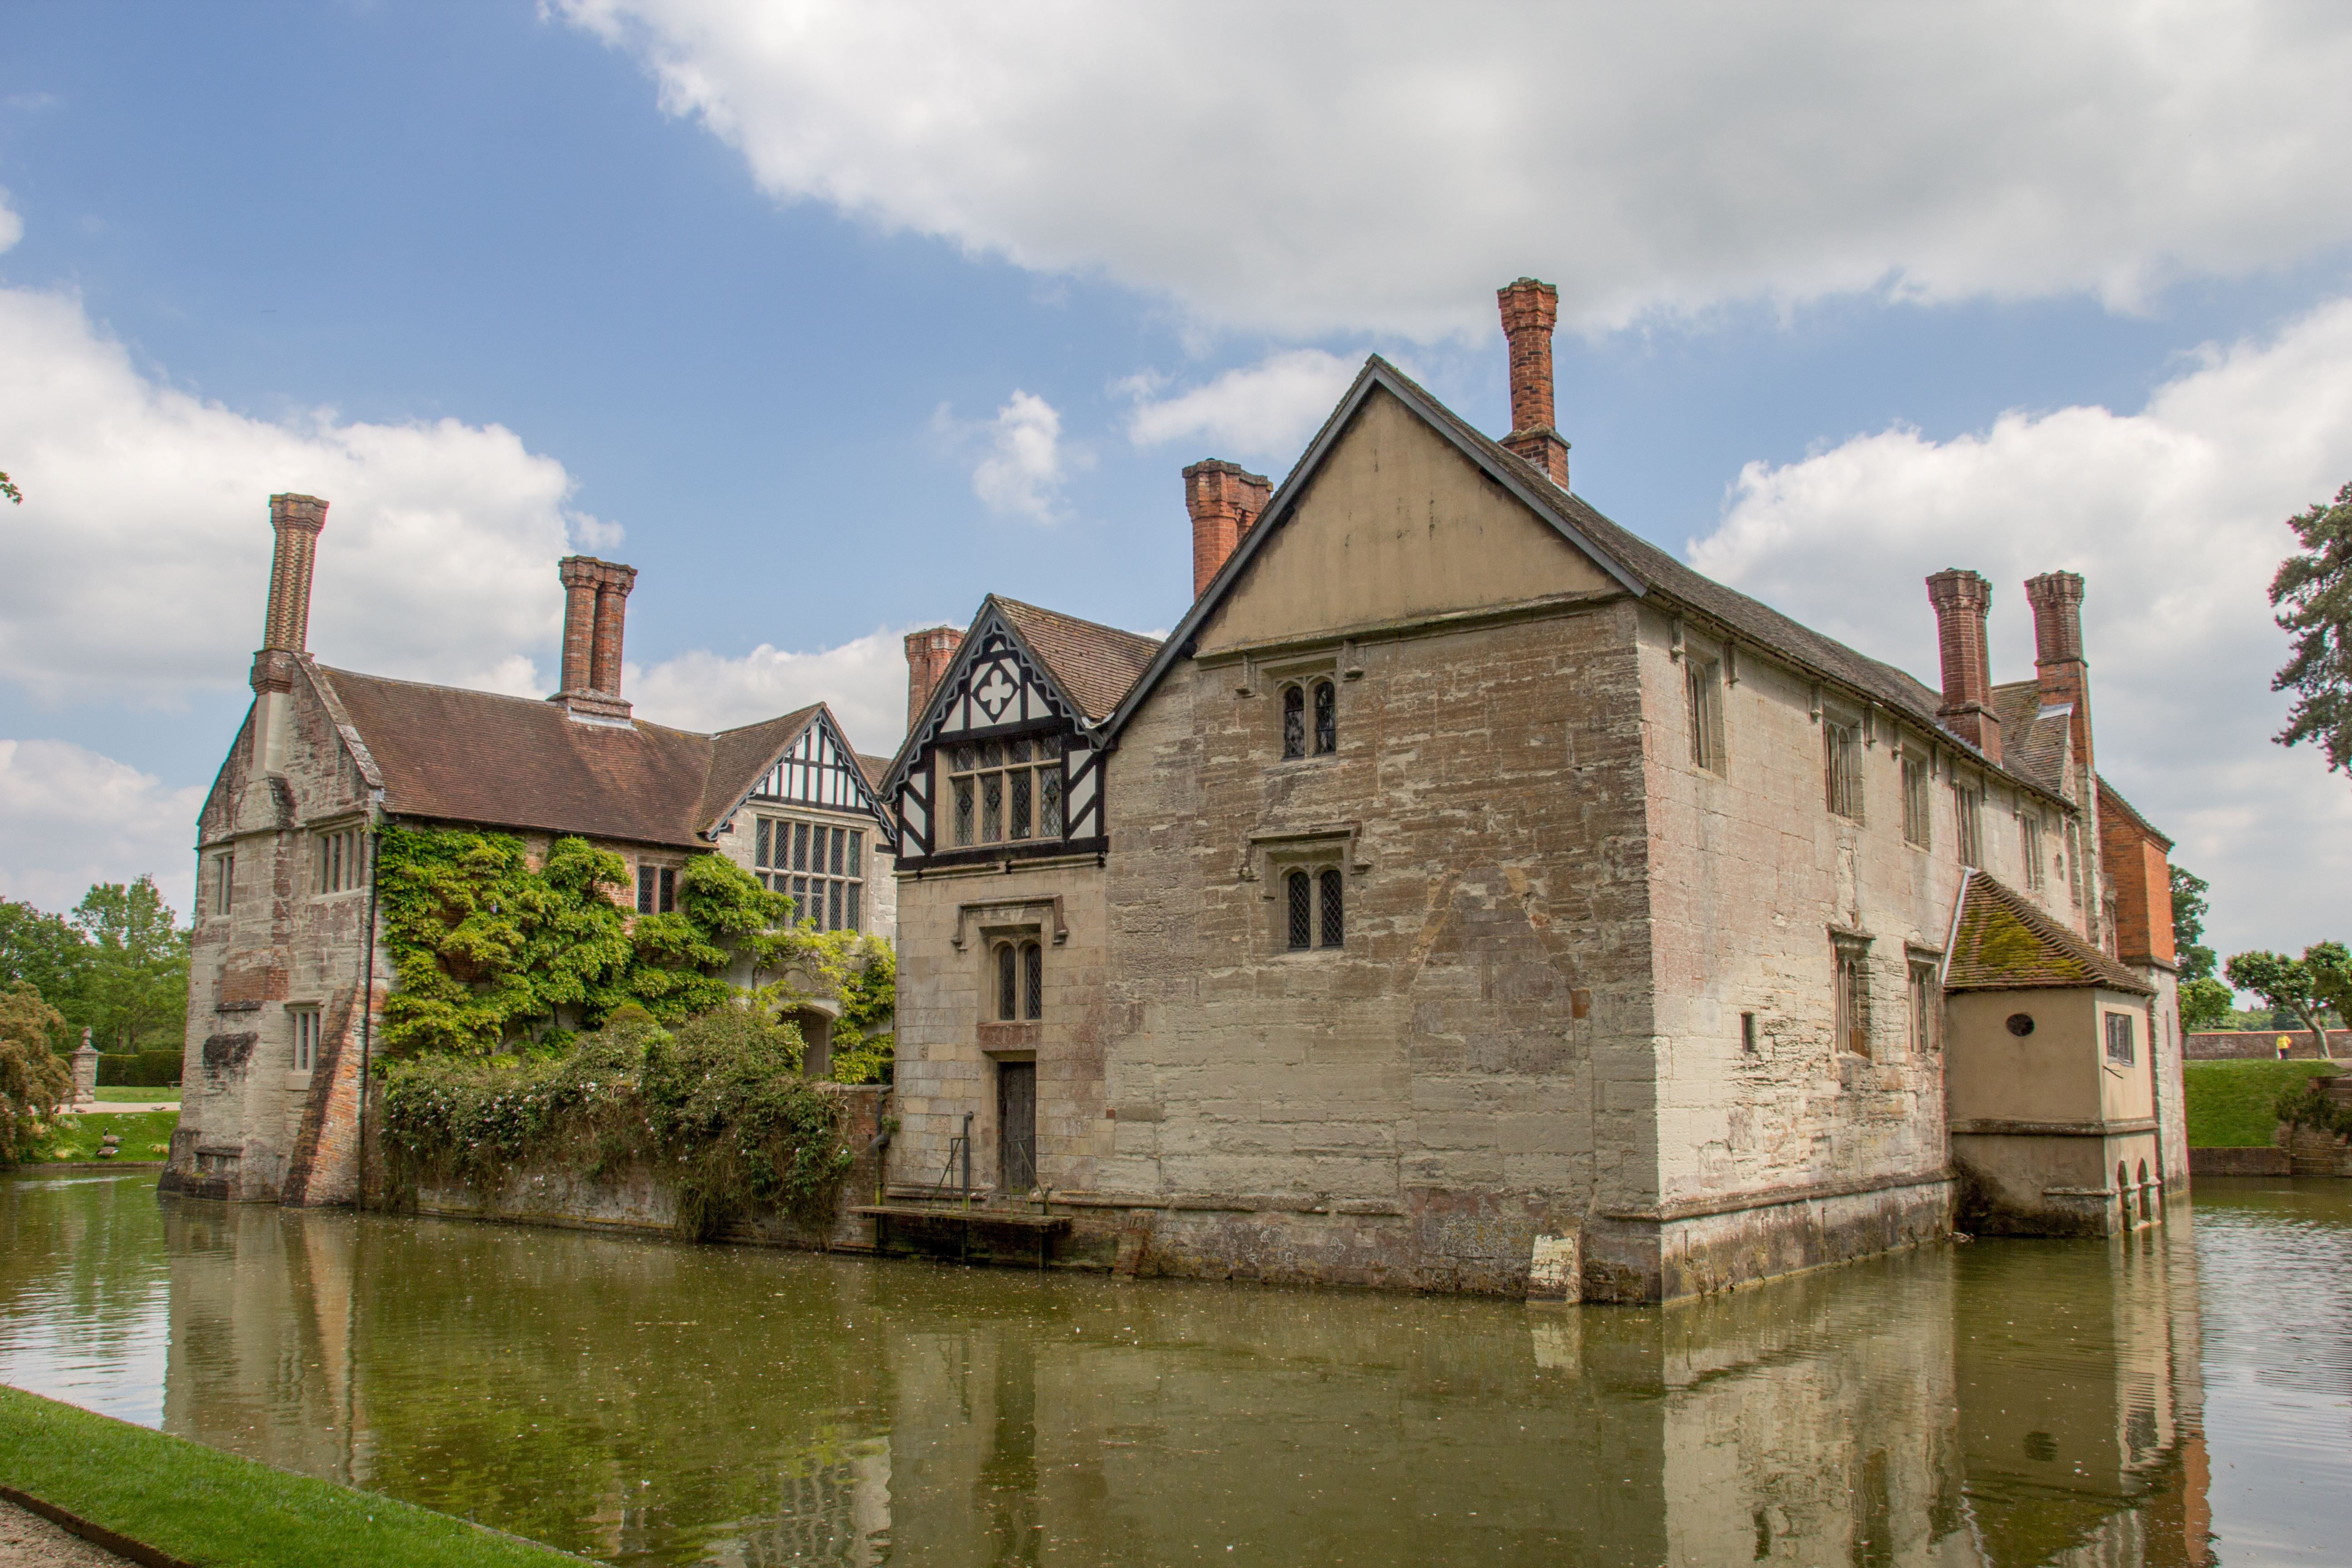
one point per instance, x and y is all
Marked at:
(1465, 882)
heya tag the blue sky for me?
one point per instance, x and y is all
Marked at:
(831, 320)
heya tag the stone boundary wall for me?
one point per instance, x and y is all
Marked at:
(2263, 1162)
(633, 1202)
(2261, 1045)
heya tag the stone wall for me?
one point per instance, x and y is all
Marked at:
(636, 1202)
(2261, 1045)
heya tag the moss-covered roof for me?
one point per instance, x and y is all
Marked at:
(2006, 942)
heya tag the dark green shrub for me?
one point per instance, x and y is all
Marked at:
(2309, 1105)
(140, 1069)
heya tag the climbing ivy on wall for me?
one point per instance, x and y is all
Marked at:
(492, 952)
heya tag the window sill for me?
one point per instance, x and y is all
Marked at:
(297, 1081)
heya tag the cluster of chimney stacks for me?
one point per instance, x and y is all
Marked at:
(596, 604)
(2061, 675)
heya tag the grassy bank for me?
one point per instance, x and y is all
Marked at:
(114, 1094)
(145, 1134)
(197, 1504)
(2229, 1102)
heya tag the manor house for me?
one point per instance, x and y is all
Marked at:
(287, 975)
(1468, 895)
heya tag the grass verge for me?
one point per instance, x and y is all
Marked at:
(145, 1134)
(2229, 1102)
(114, 1094)
(197, 1504)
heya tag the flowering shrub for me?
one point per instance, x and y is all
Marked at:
(716, 1109)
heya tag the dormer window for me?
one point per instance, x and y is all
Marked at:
(1297, 699)
(1005, 790)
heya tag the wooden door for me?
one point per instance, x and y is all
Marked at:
(1017, 1127)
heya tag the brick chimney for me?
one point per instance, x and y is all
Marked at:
(1224, 499)
(1529, 308)
(928, 653)
(2061, 671)
(595, 605)
(1961, 599)
(286, 627)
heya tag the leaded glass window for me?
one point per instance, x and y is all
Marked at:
(1302, 910)
(1006, 791)
(1327, 719)
(831, 895)
(1334, 927)
(1032, 980)
(1294, 721)
(1006, 969)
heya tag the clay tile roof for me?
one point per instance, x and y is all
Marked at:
(2034, 747)
(873, 768)
(1094, 665)
(2005, 941)
(453, 756)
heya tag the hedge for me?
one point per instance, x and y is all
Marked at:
(140, 1069)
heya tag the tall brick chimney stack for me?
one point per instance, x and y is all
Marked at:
(1529, 308)
(2061, 670)
(928, 653)
(1961, 599)
(1224, 499)
(286, 627)
(595, 604)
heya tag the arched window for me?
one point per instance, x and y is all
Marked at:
(1302, 907)
(1294, 721)
(1327, 719)
(1334, 926)
(1007, 995)
(1032, 980)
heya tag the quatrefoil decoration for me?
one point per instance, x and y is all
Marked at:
(997, 694)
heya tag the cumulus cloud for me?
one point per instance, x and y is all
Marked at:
(1381, 166)
(69, 817)
(138, 563)
(864, 680)
(12, 228)
(2174, 515)
(1025, 465)
(1269, 408)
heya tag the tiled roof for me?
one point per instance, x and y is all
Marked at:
(1753, 622)
(1094, 665)
(873, 767)
(453, 755)
(2031, 745)
(2006, 942)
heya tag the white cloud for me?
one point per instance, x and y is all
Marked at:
(2175, 516)
(1267, 410)
(1381, 166)
(864, 680)
(1026, 464)
(69, 817)
(12, 228)
(138, 564)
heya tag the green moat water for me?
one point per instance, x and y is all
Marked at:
(2182, 1397)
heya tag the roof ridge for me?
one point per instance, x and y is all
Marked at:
(1079, 620)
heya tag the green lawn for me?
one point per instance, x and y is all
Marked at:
(197, 1504)
(145, 1134)
(2229, 1102)
(115, 1095)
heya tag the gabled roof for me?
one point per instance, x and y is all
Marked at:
(448, 754)
(1094, 665)
(2112, 805)
(2034, 746)
(1090, 666)
(1640, 567)
(2003, 941)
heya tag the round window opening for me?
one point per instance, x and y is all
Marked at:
(2020, 1024)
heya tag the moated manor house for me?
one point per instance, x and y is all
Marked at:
(1466, 895)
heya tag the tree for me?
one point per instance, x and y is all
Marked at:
(2306, 987)
(32, 1080)
(8, 488)
(2189, 911)
(136, 986)
(2315, 585)
(41, 949)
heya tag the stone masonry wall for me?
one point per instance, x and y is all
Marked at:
(1472, 1068)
